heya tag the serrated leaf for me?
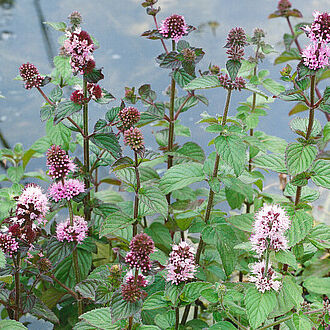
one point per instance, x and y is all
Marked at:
(154, 199)
(243, 221)
(233, 67)
(321, 173)
(11, 325)
(109, 142)
(301, 225)
(87, 288)
(99, 318)
(57, 251)
(2, 259)
(172, 292)
(300, 125)
(320, 236)
(286, 257)
(232, 150)
(155, 301)
(182, 77)
(223, 325)
(106, 97)
(56, 94)
(271, 162)
(63, 66)
(65, 109)
(302, 322)
(180, 176)
(114, 223)
(259, 305)
(203, 83)
(299, 157)
(94, 76)
(15, 174)
(273, 87)
(112, 114)
(299, 107)
(292, 291)
(291, 55)
(193, 291)
(318, 285)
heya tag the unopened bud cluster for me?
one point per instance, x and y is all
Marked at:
(30, 75)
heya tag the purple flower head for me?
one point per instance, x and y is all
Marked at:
(32, 206)
(8, 244)
(141, 282)
(75, 233)
(131, 292)
(264, 282)
(134, 138)
(59, 163)
(235, 53)
(283, 6)
(129, 116)
(181, 265)
(268, 230)
(66, 190)
(236, 37)
(78, 96)
(316, 55)
(30, 75)
(227, 83)
(94, 91)
(174, 27)
(319, 31)
(80, 47)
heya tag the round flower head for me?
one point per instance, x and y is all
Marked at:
(264, 282)
(30, 75)
(131, 292)
(283, 6)
(129, 116)
(236, 37)
(94, 90)
(8, 244)
(79, 46)
(227, 83)
(174, 27)
(235, 53)
(319, 31)
(70, 188)
(181, 265)
(141, 282)
(59, 163)
(268, 230)
(134, 138)
(32, 205)
(78, 96)
(75, 233)
(316, 56)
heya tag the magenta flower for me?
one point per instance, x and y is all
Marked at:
(134, 138)
(132, 292)
(174, 27)
(59, 163)
(8, 244)
(78, 96)
(75, 233)
(269, 227)
(32, 205)
(267, 282)
(316, 55)
(141, 282)
(129, 116)
(70, 188)
(181, 265)
(94, 90)
(80, 47)
(30, 75)
(227, 83)
(319, 31)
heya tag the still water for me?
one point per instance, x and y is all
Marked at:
(128, 59)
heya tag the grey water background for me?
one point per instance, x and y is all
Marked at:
(129, 60)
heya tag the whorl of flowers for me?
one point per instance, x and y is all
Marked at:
(80, 47)
(94, 90)
(141, 281)
(319, 31)
(134, 139)
(129, 116)
(66, 190)
(75, 18)
(32, 205)
(78, 96)
(132, 292)
(59, 163)
(269, 227)
(174, 27)
(227, 83)
(283, 6)
(72, 233)
(30, 75)
(235, 53)
(181, 265)
(8, 244)
(316, 56)
(141, 247)
(236, 37)
(264, 282)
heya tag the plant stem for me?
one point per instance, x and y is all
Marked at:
(130, 319)
(292, 32)
(45, 96)
(136, 200)
(75, 260)
(266, 264)
(177, 315)
(232, 318)
(17, 287)
(72, 293)
(87, 211)
(185, 314)
(214, 175)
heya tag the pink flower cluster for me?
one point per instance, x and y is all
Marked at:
(141, 281)
(181, 265)
(129, 116)
(30, 75)
(59, 163)
(72, 233)
(227, 83)
(66, 190)
(32, 205)
(174, 27)
(316, 55)
(134, 138)
(132, 292)
(94, 92)
(264, 281)
(138, 257)
(269, 227)
(236, 41)
(78, 96)
(80, 47)
(8, 244)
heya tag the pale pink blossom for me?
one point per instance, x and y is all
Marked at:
(316, 55)
(8, 244)
(66, 190)
(319, 31)
(75, 233)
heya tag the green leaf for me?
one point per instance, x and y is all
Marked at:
(259, 305)
(203, 83)
(299, 157)
(11, 325)
(271, 162)
(292, 291)
(56, 94)
(111, 115)
(320, 236)
(301, 225)
(57, 251)
(321, 173)
(300, 125)
(63, 66)
(193, 291)
(166, 321)
(94, 76)
(191, 151)
(299, 107)
(182, 77)
(302, 322)
(155, 301)
(46, 112)
(232, 150)
(154, 198)
(15, 174)
(58, 26)
(58, 134)
(233, 68)
(326, 131)
(318, 285)
(160, 235)
(246, 68)
(286, 257)
(65, 109)
(273, 87)
(290, 55)
(99, 318)
(2, 259)
(109, 142)
(114, 223)
(223, 325)
(106, 97)
(87, 288)
(243, 221)
(172, 292)
(180, 176)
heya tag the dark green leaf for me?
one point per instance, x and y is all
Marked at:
(65, 109)
(109, 142)
(94, 76)
(232, 68)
